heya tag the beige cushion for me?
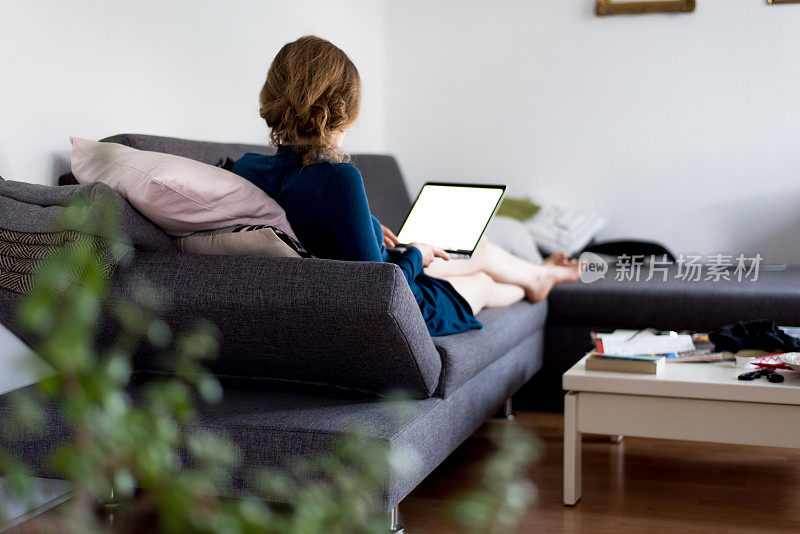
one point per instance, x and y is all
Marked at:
(513, 236)
(262, 242)
(180, 195)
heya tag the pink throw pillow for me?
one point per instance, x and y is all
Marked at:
(179, 194)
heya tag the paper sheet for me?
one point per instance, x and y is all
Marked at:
(626, 345)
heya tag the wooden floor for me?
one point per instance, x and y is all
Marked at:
(638, 486)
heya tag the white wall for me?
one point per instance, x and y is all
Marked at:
(15, 363)
(179, 68)
(182, 68)
(679, 128)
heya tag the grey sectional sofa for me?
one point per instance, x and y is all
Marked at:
(309, 346)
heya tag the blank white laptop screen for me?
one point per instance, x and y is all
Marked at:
(451, 216)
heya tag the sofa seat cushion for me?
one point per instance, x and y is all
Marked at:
(276, 428)
(467, 354)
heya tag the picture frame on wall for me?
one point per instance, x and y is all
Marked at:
(605, 8)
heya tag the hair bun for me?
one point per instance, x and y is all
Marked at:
(314, 121)
(312, 93)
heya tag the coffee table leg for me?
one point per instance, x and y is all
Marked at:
(572, 450)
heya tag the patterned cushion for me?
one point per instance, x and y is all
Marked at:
(22, 255)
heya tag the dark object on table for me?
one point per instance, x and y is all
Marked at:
(760, 335)
(772, 375)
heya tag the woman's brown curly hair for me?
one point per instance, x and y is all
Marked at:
(312, 94)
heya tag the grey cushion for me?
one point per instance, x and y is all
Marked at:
(467, 354)
(302, 321)
(274, 428)
(26, 207)
(386, 190)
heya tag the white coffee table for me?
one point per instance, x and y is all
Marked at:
(689, 401)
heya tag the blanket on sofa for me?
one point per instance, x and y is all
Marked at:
(34, 208)
(33, 228)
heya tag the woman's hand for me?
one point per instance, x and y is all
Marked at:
(389, 239)
(429, 252)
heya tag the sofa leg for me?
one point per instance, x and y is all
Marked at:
(508, 410)
(394, 521)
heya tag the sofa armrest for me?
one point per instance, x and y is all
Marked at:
(353, 325)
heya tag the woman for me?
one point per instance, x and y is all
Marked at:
(310, 98)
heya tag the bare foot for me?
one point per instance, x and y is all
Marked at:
(559, 258)
(549, 274)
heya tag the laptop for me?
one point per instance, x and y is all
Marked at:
(451, 216)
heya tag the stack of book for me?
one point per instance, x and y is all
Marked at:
(652, 364)
(645, 352)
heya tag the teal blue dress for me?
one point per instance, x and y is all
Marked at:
(326, 204)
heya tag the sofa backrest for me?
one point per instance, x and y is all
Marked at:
(386, 190)
(301, 322)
